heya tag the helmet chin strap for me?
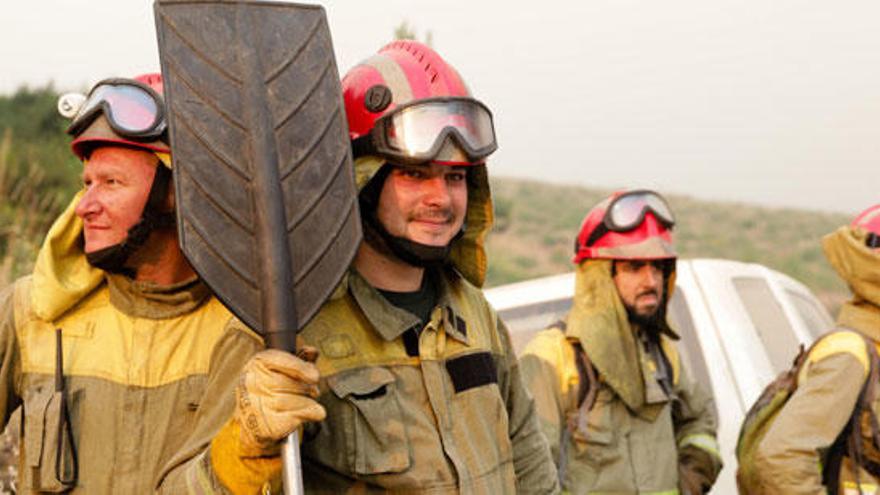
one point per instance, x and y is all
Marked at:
(412, 253)
(113, 258)
(375, 234)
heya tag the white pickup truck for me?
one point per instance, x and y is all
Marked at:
(740, 325)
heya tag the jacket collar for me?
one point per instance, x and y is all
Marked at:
(390, 321)
(148, 300)
(861, 316)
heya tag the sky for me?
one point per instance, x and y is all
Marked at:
(772, 103)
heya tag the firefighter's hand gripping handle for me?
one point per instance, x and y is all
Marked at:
(275, 396)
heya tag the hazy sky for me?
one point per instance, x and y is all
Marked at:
(775, 103)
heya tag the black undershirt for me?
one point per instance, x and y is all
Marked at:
(419, 303)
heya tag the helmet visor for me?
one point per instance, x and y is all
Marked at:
(133, 109)
(417, 132)
(628, 210)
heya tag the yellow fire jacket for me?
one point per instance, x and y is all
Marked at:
(148, 370)
(793, 452)
(441, 412)
(637, 437)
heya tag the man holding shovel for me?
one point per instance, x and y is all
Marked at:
(416, 379)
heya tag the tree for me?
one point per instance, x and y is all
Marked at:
(404, 31)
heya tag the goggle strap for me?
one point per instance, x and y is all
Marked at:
(362, 146)
(603, 229)
(597, 234)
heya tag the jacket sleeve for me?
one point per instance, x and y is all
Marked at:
(696, 426)
(10, 364)
(192, 470)
(535, 471)
(541, 370)
(789, 456)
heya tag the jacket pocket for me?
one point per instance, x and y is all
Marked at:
(594, 438)
(50, 457)
(374, 421)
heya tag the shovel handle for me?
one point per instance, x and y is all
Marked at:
(292, 465)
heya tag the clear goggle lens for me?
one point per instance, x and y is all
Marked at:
(418, 130)
(130, 109)
(629, 210)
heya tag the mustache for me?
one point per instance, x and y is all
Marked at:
(433, 214)
(649, 292)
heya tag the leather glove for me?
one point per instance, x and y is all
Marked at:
(275, 395)
(690, 482)
(697, 470)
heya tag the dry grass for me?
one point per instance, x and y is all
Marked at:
(25, 214)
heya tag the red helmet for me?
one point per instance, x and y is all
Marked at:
(406, 104)
(633, 225)
(129, 112)
(870, 221)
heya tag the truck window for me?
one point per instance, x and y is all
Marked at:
(776, 334)
(814, 318)
(689, 346)
(526, 320)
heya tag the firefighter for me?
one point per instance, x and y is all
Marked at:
(121, 358)
(617, 405)
(808, 446)
(415, 373)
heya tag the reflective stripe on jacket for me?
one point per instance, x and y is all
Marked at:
(638, 436)
(617, 451)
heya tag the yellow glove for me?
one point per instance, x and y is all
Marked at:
(275, 396)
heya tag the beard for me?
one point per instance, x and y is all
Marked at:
(653, 319)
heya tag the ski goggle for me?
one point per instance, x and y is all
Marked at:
(415, 132)
(133, 110)
(627, 211)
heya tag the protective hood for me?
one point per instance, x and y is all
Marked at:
(859, 266)
(856, 264)
(62, 275)
(598, 319)
(468, 253)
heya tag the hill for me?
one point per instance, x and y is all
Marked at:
(535, 228)
(536, 224)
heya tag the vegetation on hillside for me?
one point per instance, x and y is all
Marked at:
(537, 223)
(37, 174)
(37, 131)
